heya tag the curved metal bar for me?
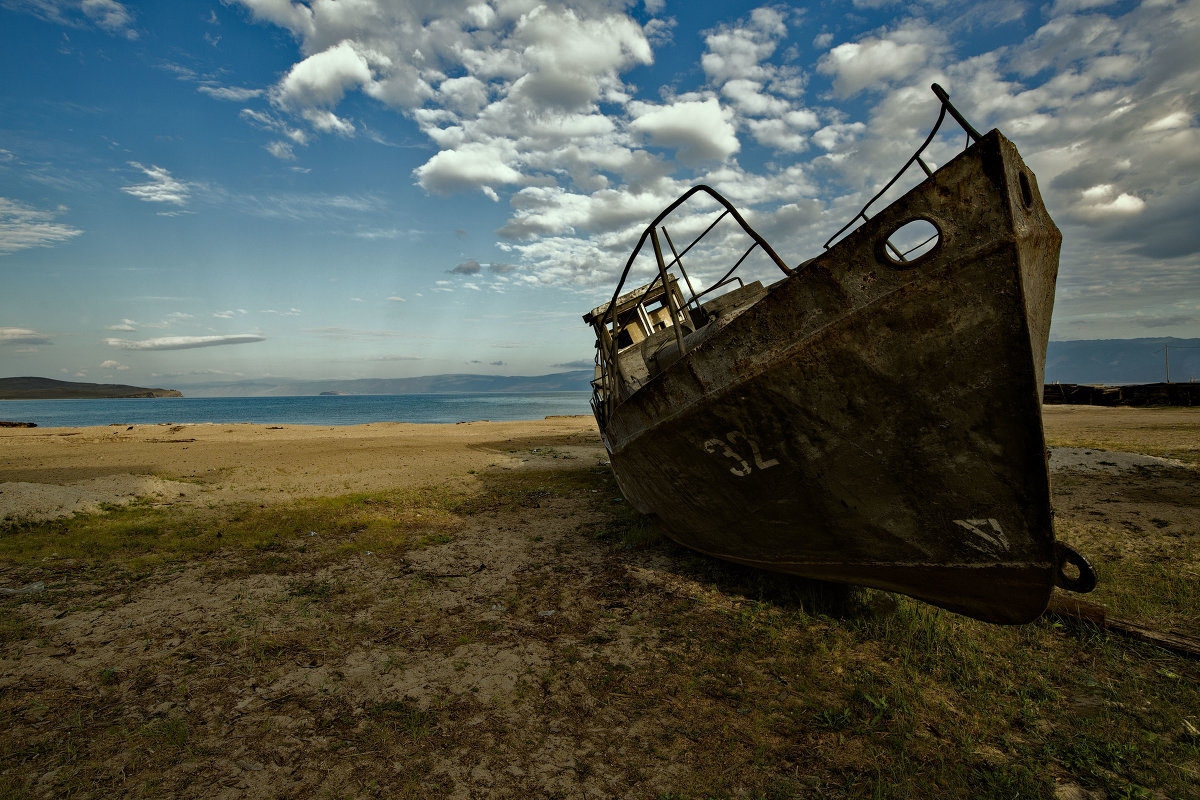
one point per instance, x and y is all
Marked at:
(944, 96)
(946, 107)
(695, 241)
(733, 269)
(610, 318)
(862, 212)
(666, 212)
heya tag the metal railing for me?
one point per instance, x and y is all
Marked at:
(946, 108)
(605, 393)
(608, 384)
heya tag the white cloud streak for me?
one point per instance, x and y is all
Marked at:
(184, 342)
(22, 336)
(111, 16)
(23, 227)
(108, 15)
(230, 93)
(161, 188)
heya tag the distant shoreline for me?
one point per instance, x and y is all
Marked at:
(31, 388)
(1133, 394)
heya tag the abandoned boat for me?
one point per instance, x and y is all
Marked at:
(874, 416)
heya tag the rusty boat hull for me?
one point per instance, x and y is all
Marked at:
(874, 421)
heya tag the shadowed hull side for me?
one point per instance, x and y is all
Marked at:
(875, 423)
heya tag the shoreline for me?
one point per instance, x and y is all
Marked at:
(340, 410)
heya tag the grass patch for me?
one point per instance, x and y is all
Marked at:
(141, 536)
(1138, 431)
(658, 672)
(402, 718)
(167, 736)
(14, 626)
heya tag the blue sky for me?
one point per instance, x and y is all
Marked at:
(195, 192)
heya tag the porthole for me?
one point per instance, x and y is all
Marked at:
(1026, 191)
(911, 242)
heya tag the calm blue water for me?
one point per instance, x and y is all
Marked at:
(327, 410)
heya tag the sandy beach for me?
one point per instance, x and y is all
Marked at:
(49, 472)
(507, 628)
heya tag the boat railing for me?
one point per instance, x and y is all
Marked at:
(917, 158)
(721, 284)
(611, 383)
(606, 389)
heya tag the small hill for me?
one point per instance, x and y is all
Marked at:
(50, 389)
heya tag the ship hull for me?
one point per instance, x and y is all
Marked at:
(875, 422)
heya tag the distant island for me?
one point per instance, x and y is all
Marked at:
(51, 389)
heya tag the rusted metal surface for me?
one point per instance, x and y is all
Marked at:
(866, 419)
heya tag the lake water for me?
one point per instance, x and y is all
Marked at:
(321, 410)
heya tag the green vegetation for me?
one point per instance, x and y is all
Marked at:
(141, 535)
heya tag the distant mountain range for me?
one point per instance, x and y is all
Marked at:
(574, 381)
(50, 389)
(1115, 361)
(1096, 361)
(1090, 361)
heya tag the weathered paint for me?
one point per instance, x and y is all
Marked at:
(873, 422)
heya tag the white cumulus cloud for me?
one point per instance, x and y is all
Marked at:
(1098, 202)
(475, 165)
(795, 112)
(322, 79)
(872, 62)
(698, 129)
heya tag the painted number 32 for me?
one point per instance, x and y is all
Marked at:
(734, 447)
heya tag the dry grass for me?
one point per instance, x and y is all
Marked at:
(533, 637)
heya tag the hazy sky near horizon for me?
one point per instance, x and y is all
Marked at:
(210, 190)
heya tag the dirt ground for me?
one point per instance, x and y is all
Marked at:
(49, 472)
(465, 668)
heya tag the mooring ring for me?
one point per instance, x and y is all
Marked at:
(1084, 582)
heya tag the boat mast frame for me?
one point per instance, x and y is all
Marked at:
(611, 384)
